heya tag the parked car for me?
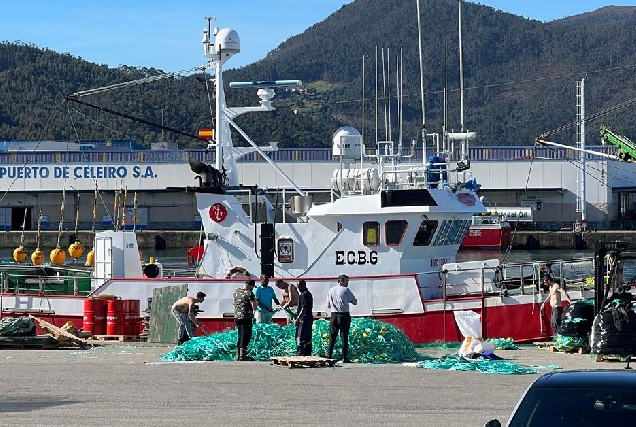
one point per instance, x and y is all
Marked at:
(577, 398)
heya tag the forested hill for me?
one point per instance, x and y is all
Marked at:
(520, 77)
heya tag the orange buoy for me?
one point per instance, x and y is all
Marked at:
(19, 254)
(37, 257)
(90, 258)
(58, 256)
(76, 250)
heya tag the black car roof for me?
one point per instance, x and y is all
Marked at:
(588, 378)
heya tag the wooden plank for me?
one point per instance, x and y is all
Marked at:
(164, 327)
(551, 346)
(58, 333)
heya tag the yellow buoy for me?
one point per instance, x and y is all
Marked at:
(90, 258)
(37, 257)
(58, 256)
(76, 250)
(19, 254)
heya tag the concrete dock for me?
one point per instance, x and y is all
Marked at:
(129, 385)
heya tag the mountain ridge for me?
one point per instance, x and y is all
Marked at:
(520, 78)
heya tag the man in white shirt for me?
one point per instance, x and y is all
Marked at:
(338, 299)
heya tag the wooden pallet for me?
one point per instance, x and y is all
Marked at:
(544, 344)
(303, 361)
(118, 338)
(39, 342)
(551, 346)
(612, 358)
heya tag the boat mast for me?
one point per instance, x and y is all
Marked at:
(419, 33)
(461, 70)
(580, 118)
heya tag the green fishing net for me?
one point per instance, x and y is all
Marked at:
(499, 343)
(439, 344)
(370, 341)
(565, 343)
(503, 343)
(17, 327)
(455, 362)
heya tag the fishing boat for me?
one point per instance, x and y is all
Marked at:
(490, 231)
(394, 224)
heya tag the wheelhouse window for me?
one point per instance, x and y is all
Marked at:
(371, 233)
(451, 232)
(425, 233)
(394, 232)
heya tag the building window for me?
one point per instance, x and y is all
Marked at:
(394, 232)
(371, 233)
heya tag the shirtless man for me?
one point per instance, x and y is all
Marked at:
(556, 296)
(289, 298)
(183, 311)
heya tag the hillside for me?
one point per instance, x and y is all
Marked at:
(520, 78)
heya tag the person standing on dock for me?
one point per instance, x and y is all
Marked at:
(304, 320)
(244, 306)
(183, 311)
(338, 299)
(264, 297)
(556, 296)
(289, 300)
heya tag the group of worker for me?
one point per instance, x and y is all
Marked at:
(252, 303)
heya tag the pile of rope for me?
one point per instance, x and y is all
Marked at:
(370, 341)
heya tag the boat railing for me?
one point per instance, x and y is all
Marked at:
(522, 278)
(412, 175)
(71, 283)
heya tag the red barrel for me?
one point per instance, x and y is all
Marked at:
(136, 325)
(131, 316)
(94, 316)
(115, 317)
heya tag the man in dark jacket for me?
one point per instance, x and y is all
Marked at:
(244, 306)
(304, 320)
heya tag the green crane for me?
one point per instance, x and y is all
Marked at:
(626, 148)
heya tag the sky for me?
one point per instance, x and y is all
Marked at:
(167, 34)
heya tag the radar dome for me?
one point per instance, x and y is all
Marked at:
(347, 142)
(228, 41)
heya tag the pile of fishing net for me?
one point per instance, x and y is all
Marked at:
(17, 327)
(370, 341)
(498, 343)
(576, 326)
(455, 362)
(614, 328)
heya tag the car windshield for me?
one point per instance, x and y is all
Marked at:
(543, 407)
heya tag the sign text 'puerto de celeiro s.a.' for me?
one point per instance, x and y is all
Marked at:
(90, 172)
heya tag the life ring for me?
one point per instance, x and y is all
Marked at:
(237, 270)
